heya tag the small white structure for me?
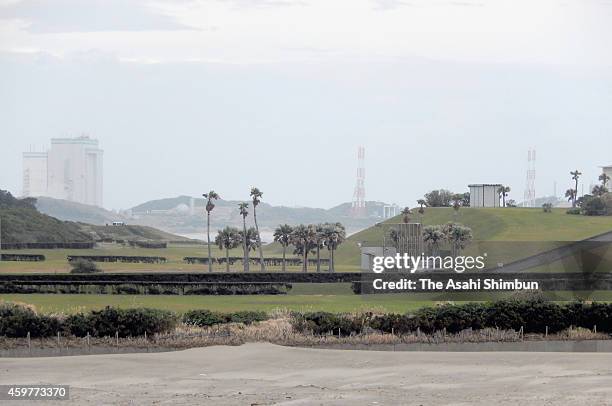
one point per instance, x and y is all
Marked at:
(484, 195)
(390, 210)
(608, 171)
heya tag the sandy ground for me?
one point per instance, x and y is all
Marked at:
(263, 374)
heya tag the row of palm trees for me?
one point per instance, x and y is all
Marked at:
(456, 235)
(311, 239)
(306, 239)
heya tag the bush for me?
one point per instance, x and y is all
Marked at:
(17, 320)
(534, 315)
(203, 318)
(83, 266)
(126, 322)
(206, 318)
(328, 323)
(248, 316)
(574, 211)
(594, 206)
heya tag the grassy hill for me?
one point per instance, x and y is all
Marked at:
(516, 225)
(22, 222)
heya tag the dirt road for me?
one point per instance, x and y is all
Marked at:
(266, 374)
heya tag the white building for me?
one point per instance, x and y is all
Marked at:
(70, 170)
(608, 171)
(34, 174)
(484, 195)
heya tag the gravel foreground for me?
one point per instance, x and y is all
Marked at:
(266, 374)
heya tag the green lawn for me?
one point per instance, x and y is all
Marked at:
(333, 297)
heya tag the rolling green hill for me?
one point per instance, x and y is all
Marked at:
(23, 223)
(501, 224)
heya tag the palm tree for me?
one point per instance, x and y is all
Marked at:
(457, 200)
(406, 214)
(503, 192)
(604, 178)
(422, 203)
(459, 236)
(282, 235)
(244, 213)
(227, 239)
(432, 237)
(575, 175)
(256, 197)
(571, 196)
(335, 234)
(303, 239)
(319, 243)
(248, 238)
(210, 205)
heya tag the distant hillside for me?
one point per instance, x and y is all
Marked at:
(72, 211)
(21, 222)
(177, 215)
(129, 233)
(513, 225)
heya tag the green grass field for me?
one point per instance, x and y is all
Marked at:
(333, 297)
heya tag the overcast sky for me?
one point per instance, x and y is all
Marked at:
(187, 96)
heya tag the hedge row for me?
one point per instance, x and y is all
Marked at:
(117, 258)
(144, 288)
(206, 318)
(178, 277)
(22, 257)
(47, 245)
(534, 316)
(17, 321)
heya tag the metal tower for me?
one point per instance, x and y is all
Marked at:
(529, 198)
(358, 208)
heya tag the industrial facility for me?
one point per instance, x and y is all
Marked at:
(70, 170)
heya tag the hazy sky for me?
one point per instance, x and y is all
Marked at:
(186, 96)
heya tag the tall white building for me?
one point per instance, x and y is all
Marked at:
(70, 170)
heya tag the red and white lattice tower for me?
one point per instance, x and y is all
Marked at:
(529, 198)
(358, 208)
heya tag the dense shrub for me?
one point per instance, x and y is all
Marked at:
(17, 321)
(574, 210)
(533, 315)
(394, 323)
(83, 266)
(247, 316)
(126, 322)
(203, 318)
(206, 318)
(329, 323)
